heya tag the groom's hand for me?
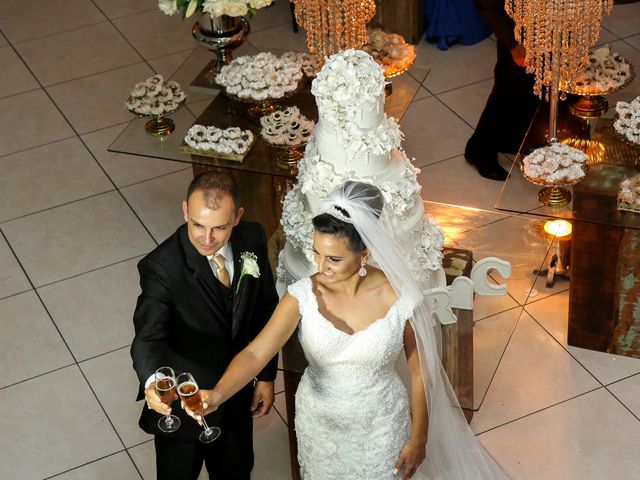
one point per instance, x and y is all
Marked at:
(263, 398)
(154, 402)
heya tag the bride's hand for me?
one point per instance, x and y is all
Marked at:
(410, 458)
(211, 400)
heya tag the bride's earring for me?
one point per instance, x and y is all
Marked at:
(363, 271)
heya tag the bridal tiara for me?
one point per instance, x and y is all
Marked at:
(339, 213)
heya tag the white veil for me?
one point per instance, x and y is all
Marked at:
(453, 452)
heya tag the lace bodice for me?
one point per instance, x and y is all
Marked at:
(352, 409)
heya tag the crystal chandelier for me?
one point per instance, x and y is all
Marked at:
(557, 36)
(334, 25)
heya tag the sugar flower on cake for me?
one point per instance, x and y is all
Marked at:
(555, 163)
(296, 222)
(350, 76)
(627, 122)
(429, 252)
(232, 8)
(316, 176)
(401, 195)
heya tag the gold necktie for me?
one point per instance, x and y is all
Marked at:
(223, 273)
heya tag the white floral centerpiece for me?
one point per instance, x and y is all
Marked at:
(216, 8)
(627, 122)
(555, 164)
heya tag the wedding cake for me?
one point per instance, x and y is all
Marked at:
(355, 140)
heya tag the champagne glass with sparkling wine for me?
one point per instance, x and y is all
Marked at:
(165, 383)
(190, 394)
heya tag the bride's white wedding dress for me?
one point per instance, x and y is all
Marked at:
(352, 409)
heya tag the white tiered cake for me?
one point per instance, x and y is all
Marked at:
(354, 140)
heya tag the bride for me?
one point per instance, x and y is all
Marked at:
(354, 417)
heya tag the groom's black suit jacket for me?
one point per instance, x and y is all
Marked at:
(187, 320)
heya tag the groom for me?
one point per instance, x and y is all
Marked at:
(198, 308)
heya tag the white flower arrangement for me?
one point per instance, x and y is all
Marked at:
(555, 163)
(628, 122)
(260, 77)
(155, 97)
(286, 127)
(249, 267)
(225, 141)
(232, 8)
(605, 71)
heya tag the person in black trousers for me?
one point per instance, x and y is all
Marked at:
(511, 104)
(200, 305)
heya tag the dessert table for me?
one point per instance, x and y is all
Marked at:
(604, 264)
(265, 184)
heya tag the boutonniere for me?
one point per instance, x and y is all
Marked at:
(249, 266)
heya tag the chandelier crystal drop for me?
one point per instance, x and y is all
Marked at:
(334, 25)
(561, 29)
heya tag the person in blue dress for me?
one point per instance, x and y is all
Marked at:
(454, 21)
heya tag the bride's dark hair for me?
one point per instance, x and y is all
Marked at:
(327, 223)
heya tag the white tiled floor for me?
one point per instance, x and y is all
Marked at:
(75, 219)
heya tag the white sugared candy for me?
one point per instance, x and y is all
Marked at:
(286, 127)
(156, 97)
(605, 70)
(260, 76)
(629, 193)
(628, 122)
(308, 62)
(229, 140)
(389, 50)
(555, 163)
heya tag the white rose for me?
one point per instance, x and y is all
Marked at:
(260, 3)
(168, 7)
(236, 9)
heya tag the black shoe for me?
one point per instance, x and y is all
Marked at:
(485, 162)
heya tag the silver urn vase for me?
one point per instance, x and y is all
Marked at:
(220, 35)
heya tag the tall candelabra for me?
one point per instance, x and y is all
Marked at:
(557, 36)
(334, 25)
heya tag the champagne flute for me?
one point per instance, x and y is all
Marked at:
(190, 394)
(165, 384)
